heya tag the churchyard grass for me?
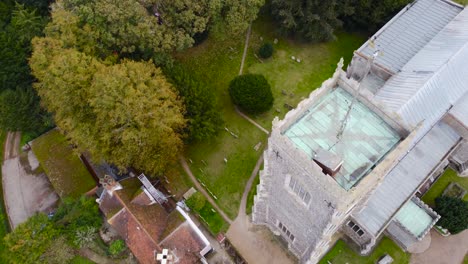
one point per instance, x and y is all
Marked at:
(443, 182)
(341, 254)
(292, 81)
(217, 61)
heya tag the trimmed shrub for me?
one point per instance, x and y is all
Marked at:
(196, 202)
(453, 212)
(266, 50)
(252, 93)
(117, 247)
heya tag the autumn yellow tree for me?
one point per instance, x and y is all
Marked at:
(125, 113)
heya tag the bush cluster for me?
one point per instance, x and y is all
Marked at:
(252, 93)
(266, 50)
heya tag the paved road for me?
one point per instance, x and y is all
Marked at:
(25, 191)
(444, 250)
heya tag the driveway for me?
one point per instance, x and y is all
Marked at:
(26, 189)
(444, 250)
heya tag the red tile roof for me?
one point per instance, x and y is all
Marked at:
(141, 245)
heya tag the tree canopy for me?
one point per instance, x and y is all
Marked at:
(104, 27)
(251, 92)
(453, 212)
(125, 113)
(239, 14)
(204, 120)
(316, 20)
(19, 105)
(31, 242)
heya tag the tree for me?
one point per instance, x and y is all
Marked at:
(139, 118)
(204, 120)
(453, 212)
(239, 14)
(20, 111)
(370, 15)
(311, 20)
(125, 113)
(19, 105)
(130, 27)
(251, 92)
(15, 47)
(266, 50)
(29, 240)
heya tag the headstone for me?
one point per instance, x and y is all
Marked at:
(293, 58)
(261, 38)
(275, 41)
(257, 147)
(225, 160)
(288, 106)
(298, 60)
(278, 110)
(284, 92)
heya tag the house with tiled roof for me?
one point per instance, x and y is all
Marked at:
(149, 228)
(351, 159)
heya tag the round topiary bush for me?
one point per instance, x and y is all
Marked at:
(266, 50)
(252, 93)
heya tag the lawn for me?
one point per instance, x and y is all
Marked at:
(252, 193)
(177, 181)
(206, 213)
(341, 253)
(439, 186)
(217, 62)
(66, 172)
(297, 80)
(80, 260)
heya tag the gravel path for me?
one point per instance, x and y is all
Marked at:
(255, 243)
(246, 47)
(444, 250)
(25, 190)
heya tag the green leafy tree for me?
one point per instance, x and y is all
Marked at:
(204, 120)
(239, 14)
(30, 240)
(131, 27)
(370, 15)
(15, 46)
(125, 113)
(20, 111)
(252, 93)
(453, 212)
(312, 20)
(19, 105)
